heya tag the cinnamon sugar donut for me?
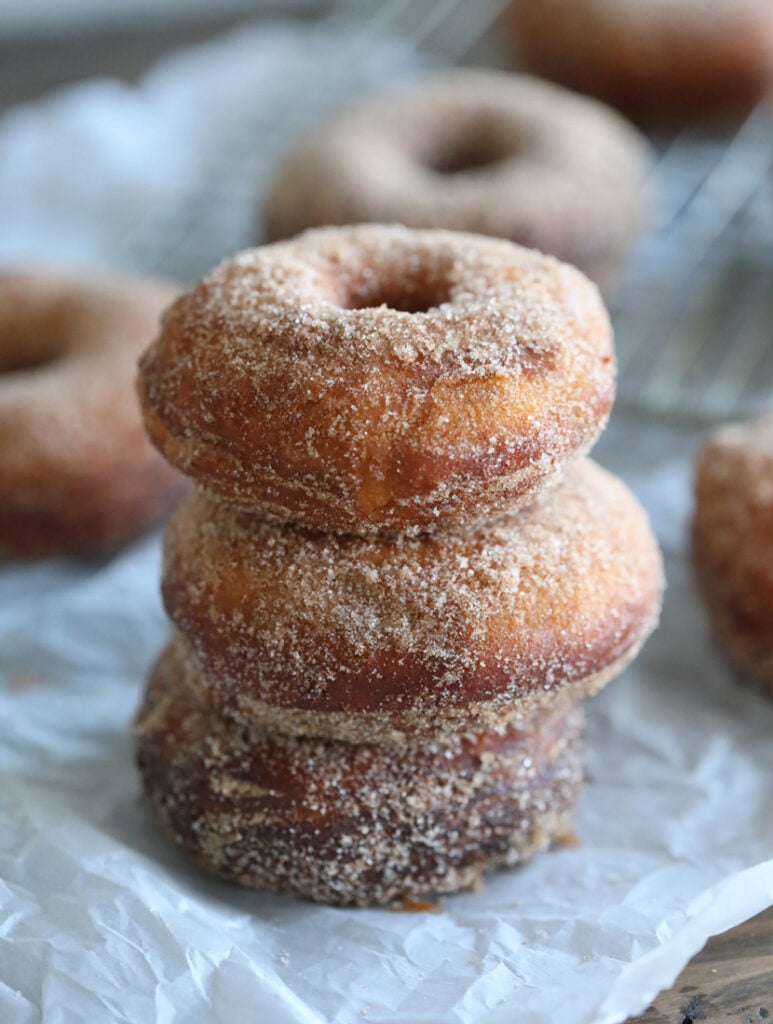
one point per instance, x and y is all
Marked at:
(77, 471)
(482, 151)
(386, 638)
(652, 58)
(353, 824)
(733, 542)
(375, 378)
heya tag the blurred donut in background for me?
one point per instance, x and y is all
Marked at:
(657, 60)
(77, 471)
(480, 151)
(733, 542)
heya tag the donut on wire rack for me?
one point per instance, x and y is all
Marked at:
(658, 60)
(480, 151)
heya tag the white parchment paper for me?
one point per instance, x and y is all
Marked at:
(102, 920)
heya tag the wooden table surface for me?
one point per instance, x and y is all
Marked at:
(729, 982)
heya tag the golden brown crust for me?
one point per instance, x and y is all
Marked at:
(353, 824)
(422, 631)
(295, 381)
(77, 471)
(483, 151)
(655, 59)
(733, 542)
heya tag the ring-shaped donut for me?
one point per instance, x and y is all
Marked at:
(374, 378)
(384, 639)
(658, 60)
(77, 471)
(485, 152)
(350, 823)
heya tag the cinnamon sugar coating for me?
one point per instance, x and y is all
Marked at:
(350, 823)
(374, 378)
(484, 151)
(656, 59)
(377, 698)
(381, 638)
(77, 471)
(733, 542)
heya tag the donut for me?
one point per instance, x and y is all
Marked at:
(378, 379)
(733, 542)
(480, 151)
(350, 823)
(389, 638)
(654, 59)
(77, 471)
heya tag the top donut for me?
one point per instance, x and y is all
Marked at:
(378, 379)
(484, 151)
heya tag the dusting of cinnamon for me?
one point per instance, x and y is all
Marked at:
(286, 383)
(369, 717)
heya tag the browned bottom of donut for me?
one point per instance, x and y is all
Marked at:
(354, 823)
(91, 513)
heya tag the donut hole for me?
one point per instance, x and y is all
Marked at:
(33, 337)
(467, 155)
(26, 361)
(418, 293)
(414, 302)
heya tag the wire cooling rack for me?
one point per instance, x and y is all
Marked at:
(216, 212)
(693, 315)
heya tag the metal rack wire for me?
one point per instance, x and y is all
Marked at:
(694, 318)
(218, 213)
(694, 314)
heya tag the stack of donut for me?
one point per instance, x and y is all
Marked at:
(399, 574)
